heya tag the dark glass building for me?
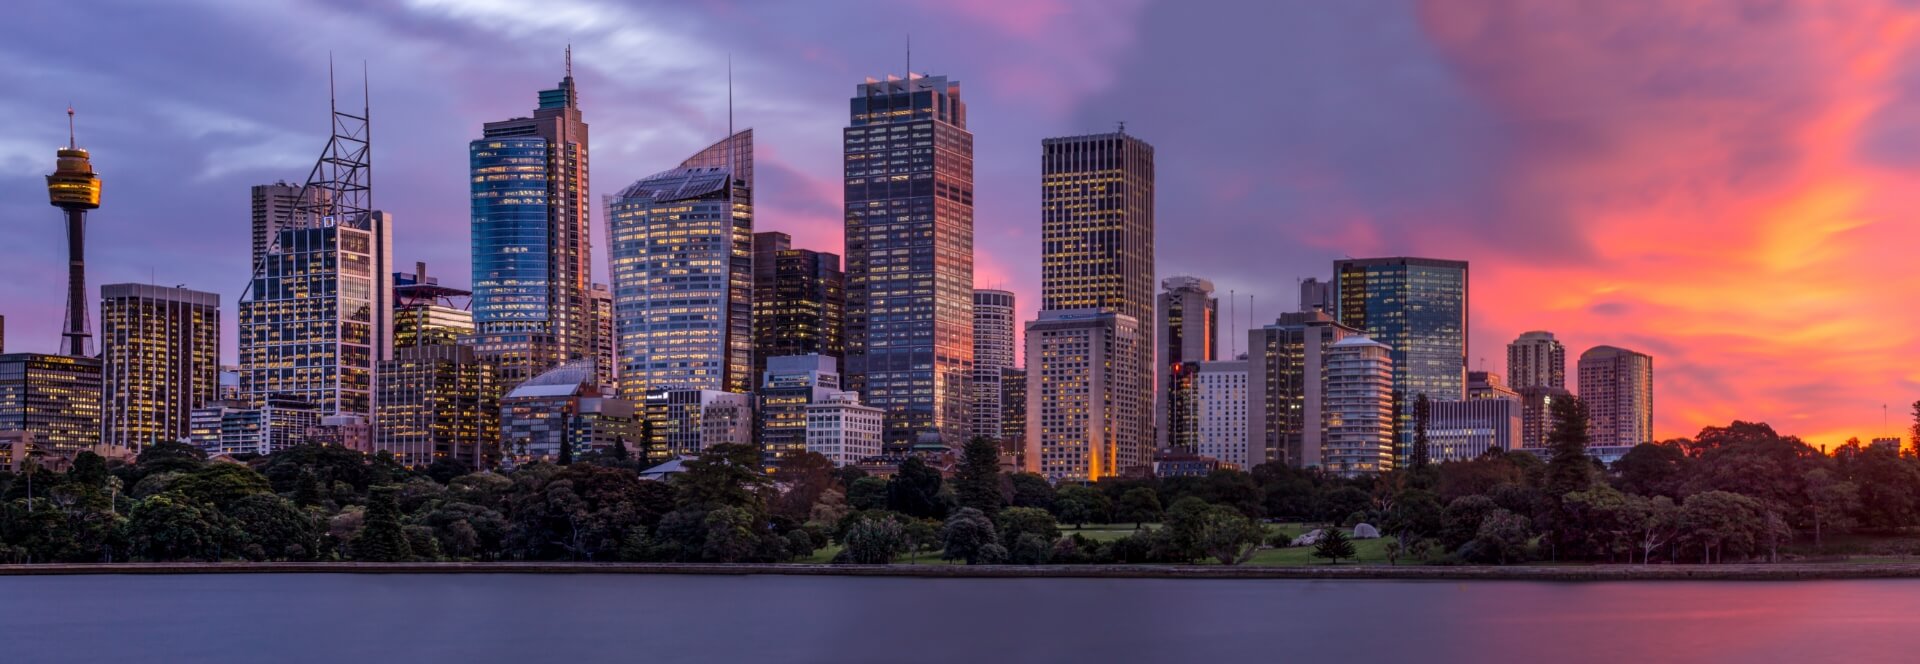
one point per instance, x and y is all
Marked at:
(799, 302)
(531, 258)
(909, 243)
(1417, 307)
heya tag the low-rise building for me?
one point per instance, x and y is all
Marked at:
(843, 430)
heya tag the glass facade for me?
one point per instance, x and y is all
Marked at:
(908, 161)
(681, 246)
(510, 250)
(55, 398)
(161, 352)
(1417, 307)
(438, 402)
(319, 317)
(799, 302)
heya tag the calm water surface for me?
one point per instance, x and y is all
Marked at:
(527, 619)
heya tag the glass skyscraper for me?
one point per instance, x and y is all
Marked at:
(531, 252)
(909, 244)
(319, 316)
(681, 245)
(799, 302)
(1417, 307)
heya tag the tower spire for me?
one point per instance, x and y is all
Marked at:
(71, 144)
(569, 60)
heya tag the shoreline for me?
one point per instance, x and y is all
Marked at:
(1732, 572)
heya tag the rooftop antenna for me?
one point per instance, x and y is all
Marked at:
(733, 170)
(569, 60)
(1233, 301)
(909, 57)
(71, 144)
(1123, 126)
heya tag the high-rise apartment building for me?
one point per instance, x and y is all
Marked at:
(1359, 396)
(1536, 414)
(909, 243)
(160, 358)
(319, 315)
(1188, 333)
(1085, 394)
(682, 253)
(799, 302)
(1287, 416)
(1220, 405)
(1096, 234)
(438, 402)
(790, 385)
(994, 352)
(54, 398)
(426, 313)
(532, 257)
(1616, 385)
(1417, 307)
(606, 356)
(1536, 359)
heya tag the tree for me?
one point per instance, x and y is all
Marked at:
(803, 477)
(731, 535)
(966, 534)
(1333, 546)
(1017, 521)
(1831, 503)
(1569, 469)
(1030, 549)
(273, 528)
(1031, 490)
(977, 481)
(1502, 538)
(1656, 522)
(171, 526)
(1652, 469)
(915, 490)
(1460, 521)
(382, 539)
(874, 542)
(221, 484)
(1227, 535)
(728, 475)
(1717, 521)
(867, 493)
(1139, 505)
(1422, 414)
(1079, 504)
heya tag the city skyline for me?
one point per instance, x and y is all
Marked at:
(1715, 364)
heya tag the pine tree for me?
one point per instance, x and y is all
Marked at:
(1569, 469)
(566, 450)
(382, 539)
(977, 482)
(620, 449)
(1333, 546)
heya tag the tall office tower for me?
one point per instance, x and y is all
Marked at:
(1013, 412)
(1189, 329)
(1488, 385)
(1286, 388)
(1220, 405)
(682, 253)
(1085, 395)
(683, 422)
(606, 362)
(909, 243)
(843, 430)
(562, 411)
(160, 357)
(1617, 386)
(1096, 233)
(1417, 307)
(276, 206)
(1316, 295)
(54, 398)
(1463, 430)
(318, 313)
(1359, 407)
(789, 385)
(74, 188)
(532, 256)
(994, 353)
(438, 402)
(1536, 414)
(1536, 359)
(426, 313)
(799, 302)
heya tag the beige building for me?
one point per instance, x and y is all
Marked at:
(1359, 407)
(1617, 386)
(1085, 395)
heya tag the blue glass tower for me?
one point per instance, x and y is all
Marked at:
(1418, 308)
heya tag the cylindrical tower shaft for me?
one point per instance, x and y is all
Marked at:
(77, 328)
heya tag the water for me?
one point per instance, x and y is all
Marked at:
(530, 619)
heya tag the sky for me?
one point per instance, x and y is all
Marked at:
(1726, 185)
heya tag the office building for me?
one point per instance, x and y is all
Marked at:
(426, 313)
(353, 432)
(791, 383)
(683, 422)
(841, 429)
(1417, 307)
(55, 398)
(1286, 388)
(994, 352)
(236, 428)
(799, 302)
(1220, 408)
(278, 206)
(160, 359)
(909, 241)
(1096, 233)
(1359, 398)
(532, 262)
(438, 402)
(1536, 359)
(1616, 385)
(682, 253)
(1316, 295)
(318, 316)
(1085, 395)
(1536, 414)
(563, 412)
(1488, 385)
(1189, 330)
(606, 357)
(1013, 413)
(1462, 430)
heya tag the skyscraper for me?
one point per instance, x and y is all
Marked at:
(682, 253)
(1536, 359)
(799, 302)
(1287, 414)
(791, 383)
(606, 360)
(909, 240)
(1617, 386)
(1359, 407)
(426, 313)
(532, 258)
(1417, 307)
(54, 398)
(160, 354)
(275, 206)
(1085, 395)
(1096, 233)
(74, 188)
(994, 353)
(1536, 414)
(1316, 295)
(1189, 329)
(437, 401)
(1220, 407)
